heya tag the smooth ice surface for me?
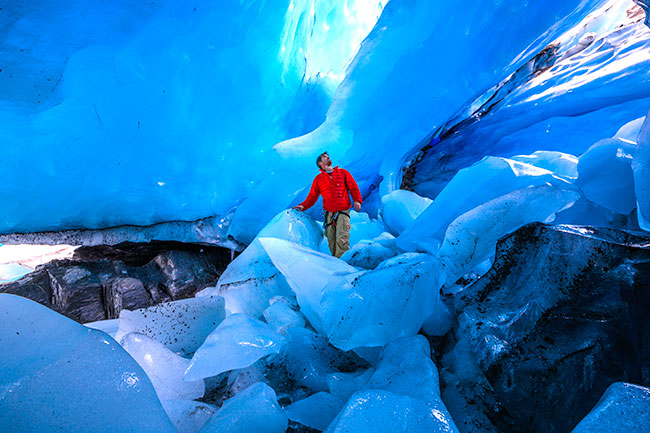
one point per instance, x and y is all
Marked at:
(253, 410)
(364, 228)
(486, 180)
(605, 175)
(180, 325)
(557, 162)
(225, 82)
(354, 309)
(368, 254)
(164, 368)
(641, 169)
(307, 272)
(401, 396)
(344, 385)
(282, 315)
(110, 326)
(177, 92)
(58, 375)
(630, 131)
(251, 280)
(623, 408)
(472, 237)
(238, 342)
(316, 411)
(392, 98)
(188, 416)
(580, 89)
(400, 208)
(373, 308)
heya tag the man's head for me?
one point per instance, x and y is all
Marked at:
(323, 161)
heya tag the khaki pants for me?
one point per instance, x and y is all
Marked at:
(338, 234)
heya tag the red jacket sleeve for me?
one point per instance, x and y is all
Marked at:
(313, 195)
(352, 186)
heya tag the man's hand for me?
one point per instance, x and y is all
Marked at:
(299, 207)
(357, 206)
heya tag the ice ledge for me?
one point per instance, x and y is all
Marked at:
(210, 231)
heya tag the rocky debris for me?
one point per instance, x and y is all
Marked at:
(560, 316)
(98, 282)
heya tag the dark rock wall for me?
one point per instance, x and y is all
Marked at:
(560, 316)
(98, 282)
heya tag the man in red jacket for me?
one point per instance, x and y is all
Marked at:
(335, 185)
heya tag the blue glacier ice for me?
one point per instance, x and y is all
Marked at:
(309, 359)
(307, 272)
(181, 326)
(253, 410)
(624, 407)
(344, 385)
(564, 99)
(171, 112)
(251, 280)
(393, 300)
(368, 254)
(225, 81)
(283, 314)
(164, 368)
(484, 181)
(238, 342)
(111, 326)
(471, 238)
(400, 208)
(58, 375)
(12, 271)
(403, 395)
(316, 411)
(557, 162)
(188, 416)
(605, 175)
(355, 309)
(641, 169)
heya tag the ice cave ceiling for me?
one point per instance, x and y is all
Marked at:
(140, 113)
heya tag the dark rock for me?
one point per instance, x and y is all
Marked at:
(98, 282)
(560, 316)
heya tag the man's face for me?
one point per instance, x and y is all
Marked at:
(325, 161)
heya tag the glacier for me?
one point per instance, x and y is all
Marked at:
(480, 133)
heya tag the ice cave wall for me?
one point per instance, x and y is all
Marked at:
(178, 111)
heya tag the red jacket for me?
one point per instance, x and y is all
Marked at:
(335, 187)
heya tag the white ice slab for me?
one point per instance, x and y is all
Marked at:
(472, 237)
(164, 368)
(254, 410)
(238, 342)
(180, 325)
(471, 187)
